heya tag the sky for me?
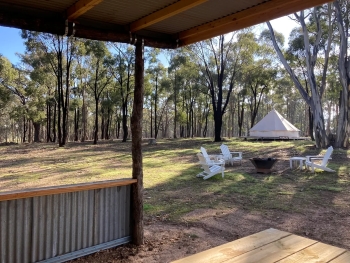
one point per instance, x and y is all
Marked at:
(12, 43)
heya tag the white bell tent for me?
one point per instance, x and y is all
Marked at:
(273, 125)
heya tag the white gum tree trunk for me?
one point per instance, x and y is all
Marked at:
(315, 100)
(343, 128)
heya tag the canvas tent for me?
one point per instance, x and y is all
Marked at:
(273, 125)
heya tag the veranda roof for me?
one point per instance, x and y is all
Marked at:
(161, 23)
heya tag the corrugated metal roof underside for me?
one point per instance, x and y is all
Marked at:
(108, 20)
(126, 12)
(201, 14)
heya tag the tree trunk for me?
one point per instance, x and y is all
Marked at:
(136, 132)
(48, 121)
(155, 109)
(311, 125)
(54, 131)
(84, 117)
(218, 125)
(59, 95)
(96, 121)
(36, 126)
(125, 121)
(343, 127)
(76, 124)
(118, 127)
(103, 123)
(314, 101)
(175, 108)
(240, 118)
(151, 118)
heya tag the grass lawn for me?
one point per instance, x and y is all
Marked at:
(171, 187)
(172, 191)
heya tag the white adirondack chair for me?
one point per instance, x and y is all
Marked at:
(211, 158)
(229, 156)
(309, 162)
(210, 167)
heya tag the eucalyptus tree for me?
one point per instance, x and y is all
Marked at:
(342, 9)
(219, 61)
(258, 73)
(178, 58)
(241, 107)
(81, 70)
(156, 72)
(100, 76)
(59, 52)
(123, 72)
(40, 73)
(312, 47)
(42, 93)
(7, 74)
(333, 96)
(17, 82)
(192, 87)
(295, 55)
(107, 105)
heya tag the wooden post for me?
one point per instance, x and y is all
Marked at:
(136, 135)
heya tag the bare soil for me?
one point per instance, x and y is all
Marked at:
(166, 242)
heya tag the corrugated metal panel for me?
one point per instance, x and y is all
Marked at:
(125, 12)
(39, 228)
(209, 11)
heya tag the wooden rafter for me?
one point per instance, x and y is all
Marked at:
(249, 17)
(164, 13)
(80, 8)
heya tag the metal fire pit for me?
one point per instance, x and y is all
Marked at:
(263, 165)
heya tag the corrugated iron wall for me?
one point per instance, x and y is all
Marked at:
(38, 228)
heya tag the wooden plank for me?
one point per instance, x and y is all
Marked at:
(318, 252)
(235, 248)
(164, 13)
(274, 251)
(249, 17)
(64, 189)
(344, 258)
(80, 8)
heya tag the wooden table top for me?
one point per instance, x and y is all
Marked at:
(269, 246)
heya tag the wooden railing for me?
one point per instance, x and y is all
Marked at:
(56, 224)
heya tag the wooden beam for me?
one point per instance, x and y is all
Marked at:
(80, 8)
(64, 189)
(164, 13)
(249, 17)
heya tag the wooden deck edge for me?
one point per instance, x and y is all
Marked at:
(12, 195)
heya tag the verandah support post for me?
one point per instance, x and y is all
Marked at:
(136, 131)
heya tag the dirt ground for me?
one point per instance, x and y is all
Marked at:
(166, 242)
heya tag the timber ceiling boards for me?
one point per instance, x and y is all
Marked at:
(161, 23)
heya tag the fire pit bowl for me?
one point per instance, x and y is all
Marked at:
(263, 165)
